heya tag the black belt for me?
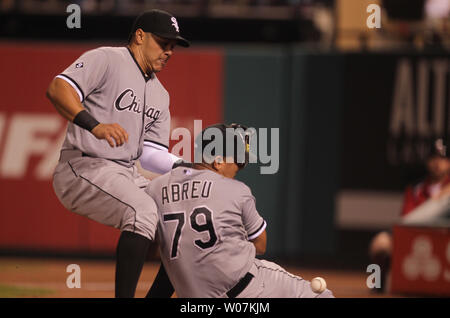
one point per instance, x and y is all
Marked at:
(240, 286)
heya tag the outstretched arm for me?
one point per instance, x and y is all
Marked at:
(157, 158)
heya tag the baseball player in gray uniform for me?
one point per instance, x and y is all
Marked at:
(210, 231)
(118, 113)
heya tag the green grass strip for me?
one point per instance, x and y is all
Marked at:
(8, 291)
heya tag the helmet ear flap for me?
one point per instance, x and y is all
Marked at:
(247, 149)
(246, 140)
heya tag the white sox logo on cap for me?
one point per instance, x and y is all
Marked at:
(160, 23)
(175, 24)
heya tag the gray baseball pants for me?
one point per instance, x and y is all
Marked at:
(272, 281)
(106, 192)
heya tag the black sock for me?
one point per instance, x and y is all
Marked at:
(161, 287)
(130, 257)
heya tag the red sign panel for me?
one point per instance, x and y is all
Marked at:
(421, 261)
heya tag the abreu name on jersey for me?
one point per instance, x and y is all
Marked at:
(195, 189)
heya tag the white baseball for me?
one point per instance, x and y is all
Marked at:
(318, 285)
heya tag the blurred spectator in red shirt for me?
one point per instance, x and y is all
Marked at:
(438, 168)
(436, 184)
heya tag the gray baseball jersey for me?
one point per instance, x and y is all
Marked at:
(204, 241)
(113, 89)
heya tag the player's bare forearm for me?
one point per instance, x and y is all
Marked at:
(64, 98)
(66, 101)
(260, 243)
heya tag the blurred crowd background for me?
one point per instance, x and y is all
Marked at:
(357, 109)
(329, 23)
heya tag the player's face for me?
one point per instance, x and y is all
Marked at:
(231, 170)
(438, 167)
(157, 51)
(227, 168)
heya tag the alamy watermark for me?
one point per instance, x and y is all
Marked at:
(74, 279)
(73, 21)
(374, 19)
(374, 279)
(249, 145)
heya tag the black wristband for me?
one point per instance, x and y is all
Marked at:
(85, 120)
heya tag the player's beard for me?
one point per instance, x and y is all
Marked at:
(163, 62)
(156, 66)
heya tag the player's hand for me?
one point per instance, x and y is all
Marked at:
(114, 134)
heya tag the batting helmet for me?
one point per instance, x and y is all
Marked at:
(224, 141)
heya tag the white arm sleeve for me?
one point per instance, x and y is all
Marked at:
(157, 158)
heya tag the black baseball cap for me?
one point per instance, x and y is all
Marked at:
(160, 23)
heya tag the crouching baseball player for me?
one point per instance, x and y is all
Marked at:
(210, 231)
